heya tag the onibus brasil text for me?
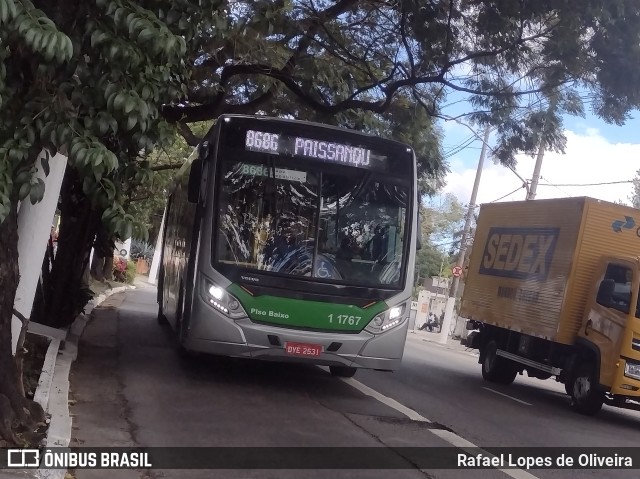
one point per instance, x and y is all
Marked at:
(560, 461)
(119, 460)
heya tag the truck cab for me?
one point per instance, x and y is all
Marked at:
(610, 337)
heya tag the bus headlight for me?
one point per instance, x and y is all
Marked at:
(632, 370)
(224, 302)
(387, 320)
(216, 292)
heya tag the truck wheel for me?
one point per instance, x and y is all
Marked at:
(496, 369)
(586, 396)
(342, 371)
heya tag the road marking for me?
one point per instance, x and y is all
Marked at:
(447, 436)
(507, 396)
(392, 403)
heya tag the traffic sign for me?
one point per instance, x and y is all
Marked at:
(457, 271)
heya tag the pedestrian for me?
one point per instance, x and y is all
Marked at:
(431, 320)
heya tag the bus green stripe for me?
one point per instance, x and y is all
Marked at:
(306, 314)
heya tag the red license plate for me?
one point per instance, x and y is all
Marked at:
(302, 349)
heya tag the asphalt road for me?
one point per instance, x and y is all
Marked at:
(131, 387)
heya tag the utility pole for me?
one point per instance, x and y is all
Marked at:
(531, 194)
(448, 312)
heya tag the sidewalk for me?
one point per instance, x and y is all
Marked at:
(433, 338)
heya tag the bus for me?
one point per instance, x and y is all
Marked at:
(289, 240)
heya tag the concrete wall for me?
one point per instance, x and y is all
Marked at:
(34, 227)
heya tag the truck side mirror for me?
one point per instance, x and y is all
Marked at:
(195, 177)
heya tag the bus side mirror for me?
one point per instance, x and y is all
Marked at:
(195, 176)
(203, 150)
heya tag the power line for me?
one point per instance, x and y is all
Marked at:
(508, 194)
(461, 146)
(546, 183)
(589, 184)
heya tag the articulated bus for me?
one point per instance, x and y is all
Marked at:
(291, 241)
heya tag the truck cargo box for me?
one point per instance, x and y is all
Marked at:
(532, 263)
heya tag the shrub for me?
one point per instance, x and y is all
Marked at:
(120, 268)
(124, 271)
(131, 272)
(141, 250)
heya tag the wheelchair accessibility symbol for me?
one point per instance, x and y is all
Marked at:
(322, 271)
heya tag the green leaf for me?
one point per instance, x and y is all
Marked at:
(23, 177)
(7, 10)
(131, 122)
(130, 104)
(110, 90)
(25, 188)
(113, 52)
(119, 101)
(109, 189)
(45, 161)
(37, 192)
(146, 35)
(103, 125)
(87, 186)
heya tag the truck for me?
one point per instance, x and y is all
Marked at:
(552, 289)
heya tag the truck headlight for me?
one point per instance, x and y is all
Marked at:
(224, 302)
(387, 320)
(632, 370)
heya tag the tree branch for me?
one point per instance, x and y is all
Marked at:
(166, 167)
(187, 134)
(215, 107)
(403, 34)
(453, 86)
(20, 316)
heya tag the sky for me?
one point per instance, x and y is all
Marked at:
(596, 152)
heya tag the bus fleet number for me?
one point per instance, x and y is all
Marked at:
(345, 319)
(262, 141)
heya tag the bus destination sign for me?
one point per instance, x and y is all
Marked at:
(329, 151)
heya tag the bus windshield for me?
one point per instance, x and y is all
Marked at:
(336, 224)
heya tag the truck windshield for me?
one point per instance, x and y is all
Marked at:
(343, 225)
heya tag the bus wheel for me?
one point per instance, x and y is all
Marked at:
(496, 369)
(586, 396)
(342, 371)
(162, 319)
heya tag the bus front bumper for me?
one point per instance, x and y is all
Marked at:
(213, 333)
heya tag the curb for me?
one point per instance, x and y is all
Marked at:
(450, 347)
(53, 387)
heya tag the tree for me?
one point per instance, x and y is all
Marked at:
(351, 58)
(86, 79)
(145, 198)
(442, 218)
(98, 83)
